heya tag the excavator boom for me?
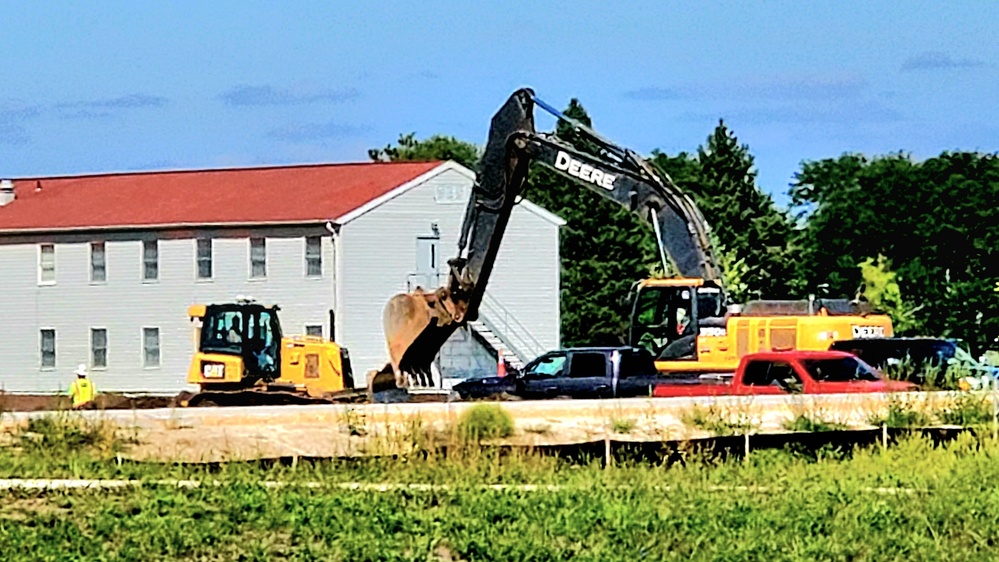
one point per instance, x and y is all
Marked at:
(417, 324)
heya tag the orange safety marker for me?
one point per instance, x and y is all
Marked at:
(500, 364)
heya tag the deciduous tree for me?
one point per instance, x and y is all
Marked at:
(438, 147)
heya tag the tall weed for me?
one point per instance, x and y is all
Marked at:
(968, 409)
(485, 421)
(720, 421)
(900, 413)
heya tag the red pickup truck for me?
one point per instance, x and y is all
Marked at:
(789, 372)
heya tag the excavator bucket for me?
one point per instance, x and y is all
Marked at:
(406, 316)
(416, 326)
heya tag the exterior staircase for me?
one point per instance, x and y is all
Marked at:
(494, 343)
(502, 332)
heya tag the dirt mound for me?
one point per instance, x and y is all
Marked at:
(43, 402)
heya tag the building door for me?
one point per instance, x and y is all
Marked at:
(427, 263)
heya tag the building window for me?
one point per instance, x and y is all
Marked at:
(46, 264)
(150, 347)
(313, 256)
(150, 260)
(98, 263)
(205, 258)
(258, 258)
(314, 330)
(48, 348)
(98, 348)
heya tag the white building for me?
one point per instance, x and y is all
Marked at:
(100, 269)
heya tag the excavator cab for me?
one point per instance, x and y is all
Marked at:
(668, 315)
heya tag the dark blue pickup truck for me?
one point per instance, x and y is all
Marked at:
(577, 372)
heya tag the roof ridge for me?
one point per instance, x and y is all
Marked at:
(232, 169)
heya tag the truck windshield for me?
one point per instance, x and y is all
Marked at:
(548, 366)
(846, 369)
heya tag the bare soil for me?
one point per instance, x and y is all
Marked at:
(52, 402)
(42, 402)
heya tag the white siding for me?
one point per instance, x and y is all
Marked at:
(379, 251)
(526, 279)
(125, 304)
(376, 253)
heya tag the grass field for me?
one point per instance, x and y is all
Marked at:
(911, 501)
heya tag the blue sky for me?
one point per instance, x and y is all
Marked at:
(114, 86)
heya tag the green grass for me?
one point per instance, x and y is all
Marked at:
(939, 504)
(912, 501)
(804, 422)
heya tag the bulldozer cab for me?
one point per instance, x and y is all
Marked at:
(249, 331)
(668, 315)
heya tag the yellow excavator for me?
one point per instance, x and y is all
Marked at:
(244, 359)
(686, 322)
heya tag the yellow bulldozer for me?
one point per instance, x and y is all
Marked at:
(243, 358)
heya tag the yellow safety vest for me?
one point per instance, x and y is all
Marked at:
(82, 391)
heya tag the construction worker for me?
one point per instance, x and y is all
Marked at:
(235, 327)
(82, 390)
(682, 321)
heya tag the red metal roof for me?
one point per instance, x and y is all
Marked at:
(242, 196)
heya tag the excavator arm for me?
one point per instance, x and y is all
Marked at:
(417, 324)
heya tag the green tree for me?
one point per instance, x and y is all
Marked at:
(880, 288)
(438, 147)
(605, 250)
(752, 235)
(935, 221)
